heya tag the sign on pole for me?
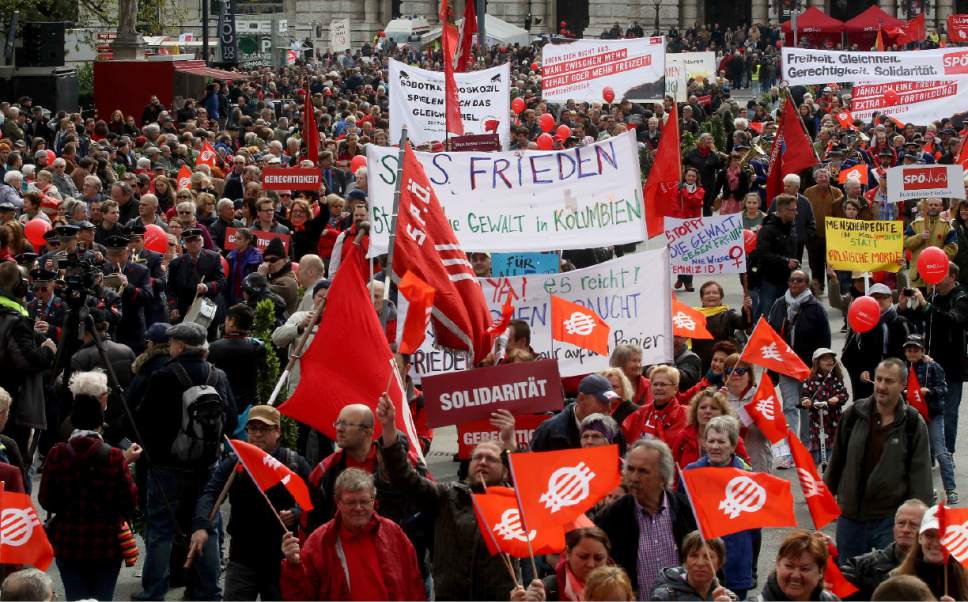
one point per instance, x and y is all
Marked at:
(339, 35)
(920, 181)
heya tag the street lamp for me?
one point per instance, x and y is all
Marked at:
(658, 5)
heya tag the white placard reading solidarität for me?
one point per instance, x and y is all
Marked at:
(587, 196)
(922, 181)
(803, 66)
(580, 70)
(417, 102)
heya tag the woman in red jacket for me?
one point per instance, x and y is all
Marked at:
(691, 194)
(663, 417)
(705, 405)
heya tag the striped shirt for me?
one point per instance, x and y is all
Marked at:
(657, 546)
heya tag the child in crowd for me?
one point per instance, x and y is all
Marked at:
(824, 394)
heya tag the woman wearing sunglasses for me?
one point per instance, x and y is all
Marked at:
(740, 388)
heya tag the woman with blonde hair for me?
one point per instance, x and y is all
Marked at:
(704, 406)
(608, 583)
(623, 388)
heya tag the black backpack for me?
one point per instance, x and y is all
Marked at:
(202, 420)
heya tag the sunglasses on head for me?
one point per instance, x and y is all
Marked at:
(739, 371)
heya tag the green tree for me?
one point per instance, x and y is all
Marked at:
(265, 319)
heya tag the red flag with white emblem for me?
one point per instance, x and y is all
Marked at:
(687, 322)
(730, 500)
(767, 349)
(22, 536)
(499, 520)
(267, 472)
(184, 178)
(913, 394)
(767, 412)
(822, 504)
(833, 580)
(578, 325)
(955, 528)
(207, 156)
(845, 119)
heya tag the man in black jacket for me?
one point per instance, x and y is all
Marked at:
(239, 355)
(595, 395)
(650, 511)
(197, 272)
(133, 283)
(863, 351)
(775, 255)
(708, 161)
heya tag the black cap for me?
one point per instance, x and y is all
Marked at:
(117, 241)
(7, 206)
(66, 231)
(42, 275)
(914, 340)
(50, 235)
(157, 332)
(192, 233)
(255, 283)
(274, 249)
(26, 258)
(136, 230)
(86, 225)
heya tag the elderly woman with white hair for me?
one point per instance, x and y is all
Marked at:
(12, 192)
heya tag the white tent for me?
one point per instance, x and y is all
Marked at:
(498, 32)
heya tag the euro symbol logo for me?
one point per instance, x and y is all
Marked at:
(17, 526)
(765, 408)
(743, 494)
(956, 541)
(770, 352)
(510, 527)
(567, 486)
(580, 324)
(683, 320)
(810, 485)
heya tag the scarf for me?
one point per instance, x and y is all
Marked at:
(794, 303)
(13, 305)
(574, 589)
(709, 312)
(732, 177)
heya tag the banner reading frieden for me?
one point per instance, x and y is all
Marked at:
(683, 66)
(706, 245)
(803, 66)
(291, 178)
(520, 388)
(587, 196)
(921, 181)
(417, 102)
(470, 434)
(580, 70)
(919, 103)
(630, 293)
(859, 245)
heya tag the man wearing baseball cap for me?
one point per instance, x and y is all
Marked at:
(561, 431)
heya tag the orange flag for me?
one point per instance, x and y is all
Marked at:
(687, 322)
(767, 412)
(499, 519)
(730, 500)
(913, 394)
(765, 348)
(833, 580)
(184, 177)
(267, 472)
(955, 528)
(23, 539)
(207, 156)
(420, 296)
(858, 172)
(578, 325)
(845, 119)
(661, 190)
(879, 42)
(822, 504)
(556, 487)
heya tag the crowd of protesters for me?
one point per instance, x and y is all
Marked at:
(127, 296)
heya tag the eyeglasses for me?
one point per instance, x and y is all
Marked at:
(253, 429)
(661, 384)
(739, 371)
(184, 213)
(266, 210)
(344, 424)
(797, 280)
(356, 503)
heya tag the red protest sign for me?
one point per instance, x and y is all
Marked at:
(958, 28)
(469, 434)
(291, 178)
(475, 142)
(262, 239)
(523, 388)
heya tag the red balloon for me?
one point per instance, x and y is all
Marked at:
(225, 265)
(35, 230)
(518, 105)
(155, 238)
(864, 314)
(749, 241)
(534, 66)
(357, 162)
(608, 94)
(932, 265)
(545, 142)
(890, 96)
(563, 132)
(547, 122)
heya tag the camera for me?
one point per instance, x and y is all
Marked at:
(907, 292)
(80, 279)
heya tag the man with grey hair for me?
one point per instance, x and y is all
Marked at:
(178, 473)
(805, 223)
(824, 200)
(27, 584)
(648, 524)
(225, 219)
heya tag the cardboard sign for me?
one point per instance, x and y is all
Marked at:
(522, 388)
(706, 245)
(292, 178)
(858, 245)
(262, 239)
(470, 434)
(922, 181)
(339, 35)
(519, 264)
(475, 143)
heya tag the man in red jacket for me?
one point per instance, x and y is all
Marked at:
(359, 555)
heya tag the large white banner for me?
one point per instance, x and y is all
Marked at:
(587, 196)
(919, 103)
(682, 66)
(802, 66)
(582, 69)
(339, 35)
(922, 181)
(417, 102)
(630, 293)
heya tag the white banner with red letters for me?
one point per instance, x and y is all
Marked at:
(922, 181)
(919, 103)
(803, 66)
(581, 70)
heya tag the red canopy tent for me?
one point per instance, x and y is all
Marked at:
(862, 29)
(815, 26)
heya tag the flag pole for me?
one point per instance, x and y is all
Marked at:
(296, 353)
(524, 524)
(254, 482)
(695, 517)
(224, 492)
(388, 269)
(504, 555)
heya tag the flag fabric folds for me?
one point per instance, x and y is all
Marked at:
(955, 528)
(448, 41)
(207, 156)
(184, 178)
(834, 580)
(791, 152)
(267, 472)
(767, 412)
(23, 539)
(730, 500)
(578, 325)
(661, 190)
(500, 522)
(465, 37)
(821, 503)
(767, 349)
(420, 297)
(311, 131)
(913, 394)
(688, 322)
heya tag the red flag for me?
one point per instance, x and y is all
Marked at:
(958, 28)
(913, 31)
(822, 504)
(184, 177)
(765, 348)
(499, 520)
(791, 151)
(425, 244)
(507, 312)
(555, 487)
(207, 156)
(310, 131)
(955, 530)
(845, 119)
(661, 190)
(268, 472)
(730, 500)
(420, 297)
(448, 41)
(757, 126)
(23, 539)
(357, 369)
(943, 528)
(767, 412)
(688, 322)
(879, 42)
(578, 325)
(462, 55)
(833, 580)
(963, 153)
(858, 172)
(913, 394)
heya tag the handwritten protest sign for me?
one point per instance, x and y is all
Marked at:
(520, 388)
(262, 239)
(683, 66)
(580, 70)
(864, 246)
(921, 181)
(706, 245)
(519, 264)
(588, 196)
(630, 293)
(470, 434)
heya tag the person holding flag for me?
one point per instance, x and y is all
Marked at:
(928, 560)
(740, 389)
(664, 417)
(695, 578)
